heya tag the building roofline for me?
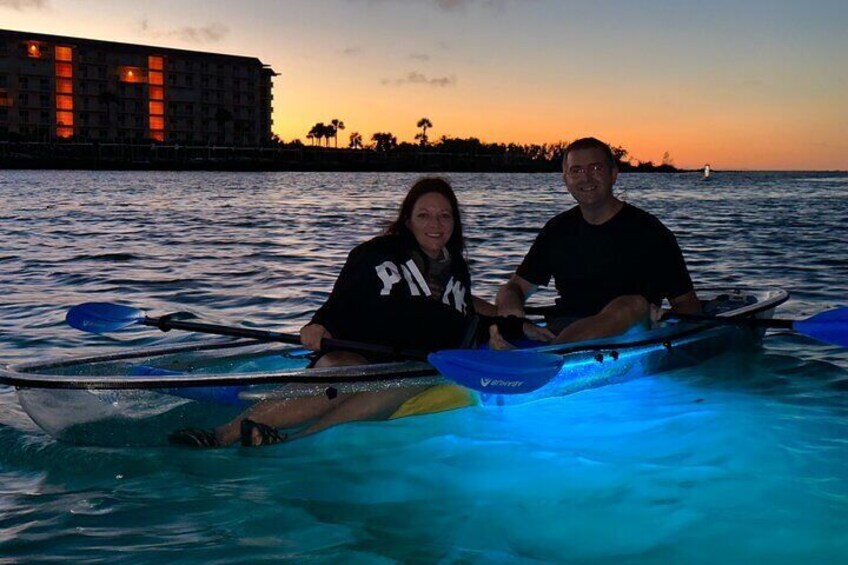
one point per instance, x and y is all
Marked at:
(34, 35)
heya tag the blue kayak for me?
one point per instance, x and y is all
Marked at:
(134, 397)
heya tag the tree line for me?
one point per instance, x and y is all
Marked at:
(386, 142)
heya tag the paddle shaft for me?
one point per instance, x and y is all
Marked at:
(166, 324)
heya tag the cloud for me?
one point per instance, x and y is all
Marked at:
(21, 5)
(212, 33)
(419, 78)
(419, 56)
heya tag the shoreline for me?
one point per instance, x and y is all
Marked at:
(135, 157)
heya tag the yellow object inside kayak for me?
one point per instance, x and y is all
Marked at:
(439, 398)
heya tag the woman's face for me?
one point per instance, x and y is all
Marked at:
(431, 223)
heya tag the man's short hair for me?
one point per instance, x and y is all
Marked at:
(589, 143)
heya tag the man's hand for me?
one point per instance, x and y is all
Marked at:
(512, 295)
(312, 334)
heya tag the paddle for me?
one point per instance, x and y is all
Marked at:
(830, 326)
(103, 317)
(519, 371)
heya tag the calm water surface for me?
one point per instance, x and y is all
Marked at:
(745, 458)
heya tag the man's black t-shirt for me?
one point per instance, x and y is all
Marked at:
(632, 253)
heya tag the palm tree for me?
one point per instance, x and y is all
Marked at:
(423, 123)
(318, 132)
(329, 131)
(355, 140)
(384, 141)
(337, 125)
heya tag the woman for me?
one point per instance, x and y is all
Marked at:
(409, 288)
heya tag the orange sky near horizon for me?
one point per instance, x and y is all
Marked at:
(757, 86)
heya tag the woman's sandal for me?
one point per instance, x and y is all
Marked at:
(194, 437)
(264, 433)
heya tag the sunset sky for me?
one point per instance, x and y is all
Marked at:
(742, 85)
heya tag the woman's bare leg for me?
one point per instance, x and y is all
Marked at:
(293, 411)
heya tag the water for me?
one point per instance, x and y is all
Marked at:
(742, 459)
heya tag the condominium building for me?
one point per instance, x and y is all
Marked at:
(54, 87)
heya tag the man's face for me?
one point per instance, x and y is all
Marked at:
(589, 177)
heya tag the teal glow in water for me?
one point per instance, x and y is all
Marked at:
(737, 460)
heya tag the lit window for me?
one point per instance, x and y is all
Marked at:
(157, 78)
(64, 102)
(157, 135)
(64, 70)
(65, 118)
(157, 93)
(64, 86)
(157, 122)
(155, 63)
(132, 74)
(157, 108)
(64, 132)
(64, 53)
(34, 49)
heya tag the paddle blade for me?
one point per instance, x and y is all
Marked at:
(101, 317)
(497, 372)
(830, 326)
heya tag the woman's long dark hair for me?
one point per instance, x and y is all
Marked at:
(426, 185)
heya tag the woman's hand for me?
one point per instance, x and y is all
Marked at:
(312, 334)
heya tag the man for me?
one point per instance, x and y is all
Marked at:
(610, 260)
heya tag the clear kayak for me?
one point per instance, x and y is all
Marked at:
(136, 397)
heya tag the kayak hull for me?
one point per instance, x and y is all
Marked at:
(136, 397)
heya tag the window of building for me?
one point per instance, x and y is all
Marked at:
(64, 132)
(64, 70)
(157, 93)
(65, 118)
(34, 49)
(157, 108)
(64, 86)
(63, 53)
(133, 75)
(64, 102)
(157, 78)
(157, 122)
(155, 63)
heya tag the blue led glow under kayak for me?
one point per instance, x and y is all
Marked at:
(135, 397)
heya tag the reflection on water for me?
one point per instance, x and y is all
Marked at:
(741, 458)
